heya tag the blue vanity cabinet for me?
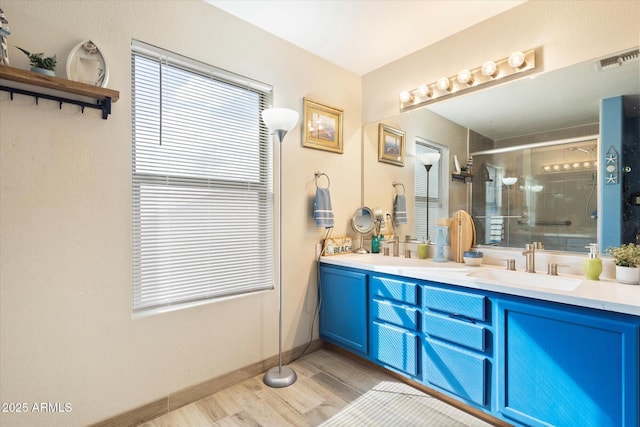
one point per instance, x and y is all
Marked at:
(343, 309)
(565, 366)
(395, 323)
(457, 343)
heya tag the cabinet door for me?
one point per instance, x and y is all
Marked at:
(566, 368)
(343, 309)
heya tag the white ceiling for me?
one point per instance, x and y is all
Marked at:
(362, 35)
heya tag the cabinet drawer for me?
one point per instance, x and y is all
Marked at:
(396, 290)
(395, 347)
(385, 311)
(457, 331)
(455, 302)
(459, 372)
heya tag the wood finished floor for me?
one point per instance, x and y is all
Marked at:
(331, 390)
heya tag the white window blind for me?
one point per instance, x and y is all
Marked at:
(435, 191)
(202, 182)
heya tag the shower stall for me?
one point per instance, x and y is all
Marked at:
(543, 192)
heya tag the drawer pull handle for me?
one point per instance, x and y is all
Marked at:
(463, 318)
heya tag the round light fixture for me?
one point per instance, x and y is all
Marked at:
(509, 180)
(516, 59)
(423, 90)
(489, 69)
(465, 77)
(443, 84)
(405, 96)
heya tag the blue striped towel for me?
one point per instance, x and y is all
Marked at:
(322, 213)
(400, 209)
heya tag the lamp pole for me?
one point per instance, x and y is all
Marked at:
(280, 121)
(428, 160)
(428, 168)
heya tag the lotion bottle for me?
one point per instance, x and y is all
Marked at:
(592, 265)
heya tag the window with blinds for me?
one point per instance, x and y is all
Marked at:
(202, 182)
(436, 181)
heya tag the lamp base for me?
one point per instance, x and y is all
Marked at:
(280, 376)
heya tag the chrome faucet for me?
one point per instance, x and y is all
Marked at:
(395, 239)
(396, 247)
(530, 257)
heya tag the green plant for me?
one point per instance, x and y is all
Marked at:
(627, 255)
(38, 60)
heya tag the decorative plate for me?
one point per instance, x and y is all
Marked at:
(86, 64)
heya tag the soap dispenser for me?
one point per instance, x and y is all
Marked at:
(592, 265)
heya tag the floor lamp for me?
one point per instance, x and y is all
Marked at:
(280, 121)
(428, 160)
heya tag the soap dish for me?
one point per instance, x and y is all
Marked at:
(472, 258)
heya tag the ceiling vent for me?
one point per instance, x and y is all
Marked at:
(618, 60)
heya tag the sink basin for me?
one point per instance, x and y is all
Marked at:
(533, 280)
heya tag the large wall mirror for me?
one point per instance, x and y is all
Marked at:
(542, 131)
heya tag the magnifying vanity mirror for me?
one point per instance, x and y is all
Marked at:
(525, 188)
(362, 223)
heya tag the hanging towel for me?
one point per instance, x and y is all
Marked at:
(400, 209)
(322, 213)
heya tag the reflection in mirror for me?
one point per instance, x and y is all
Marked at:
(542, 192)
(556, 105)
(362, 223)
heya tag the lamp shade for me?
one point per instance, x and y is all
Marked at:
(280, 119)
(429, 158)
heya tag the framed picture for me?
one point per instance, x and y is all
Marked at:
(390, 145)
(322, 127)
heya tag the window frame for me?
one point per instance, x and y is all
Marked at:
(209, 188)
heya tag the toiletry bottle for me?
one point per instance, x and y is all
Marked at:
(375, 244)
(423, 250)
(592, 265)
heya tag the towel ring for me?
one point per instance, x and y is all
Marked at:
(320, 174)
(399, 184)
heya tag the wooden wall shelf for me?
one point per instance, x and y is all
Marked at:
(103, 96)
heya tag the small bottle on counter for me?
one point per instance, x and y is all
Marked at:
(592, 265)
(375, 244)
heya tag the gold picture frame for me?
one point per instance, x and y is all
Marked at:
(391, 145)
(322, 127)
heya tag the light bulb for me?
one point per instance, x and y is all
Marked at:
(405, 96)
(465, 77)
(423, 90)
(566, 166)
(556, 167)
(443, 84)
(547, 168)
(576, 165)
(489, 69)
(586, 164)
(516, 59)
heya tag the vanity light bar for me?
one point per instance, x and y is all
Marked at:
(569, 166)
(490, 71)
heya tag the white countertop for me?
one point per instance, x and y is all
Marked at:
(604, 294)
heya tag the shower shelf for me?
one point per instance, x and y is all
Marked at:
(461, 177)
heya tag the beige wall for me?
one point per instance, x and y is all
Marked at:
(65, 216)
